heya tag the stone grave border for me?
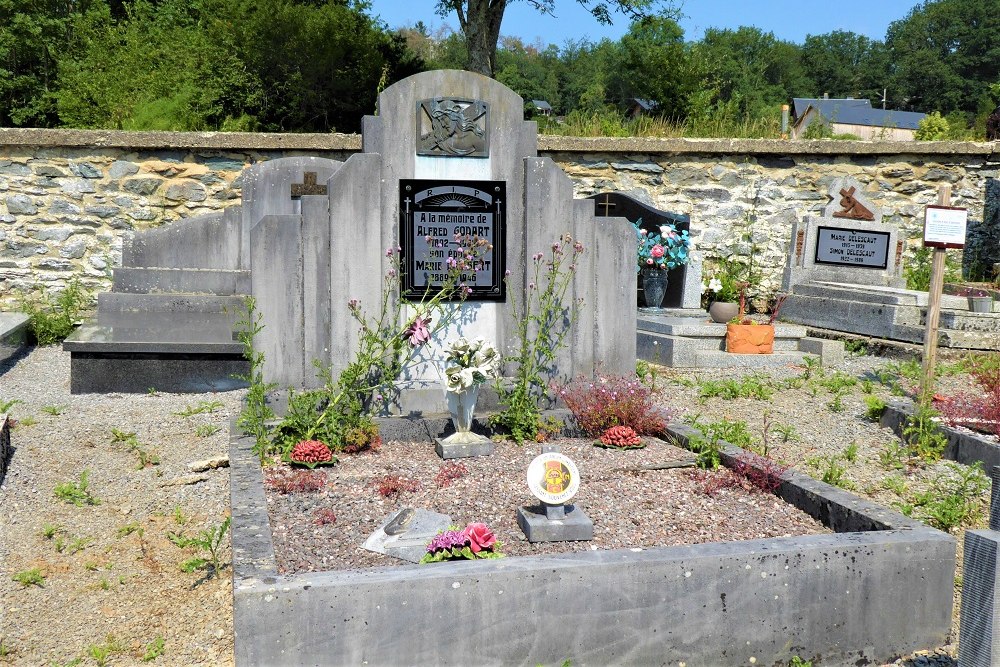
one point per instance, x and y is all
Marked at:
(965, 447)
(880, 587)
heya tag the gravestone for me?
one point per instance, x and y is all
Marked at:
(981, 259)
(404, 534)
(5, 448)
(311, 236)
(847, 244)
(684, 282)
(979, 631)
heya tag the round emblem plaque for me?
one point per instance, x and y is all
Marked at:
(553, 478)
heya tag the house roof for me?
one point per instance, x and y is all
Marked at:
(866, 116)
(826, 107)
(645, 105)
(542, 105)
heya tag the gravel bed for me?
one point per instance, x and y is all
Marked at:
(629, 508)
(130, 586)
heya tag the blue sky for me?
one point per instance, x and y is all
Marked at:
(790, 20)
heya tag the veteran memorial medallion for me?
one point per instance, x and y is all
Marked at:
(553, 478)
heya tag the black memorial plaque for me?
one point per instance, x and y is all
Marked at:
(435, 215)
(852, 247)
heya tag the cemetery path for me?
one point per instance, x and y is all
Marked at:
(111, 578)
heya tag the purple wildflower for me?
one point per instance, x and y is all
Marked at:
(418, 333)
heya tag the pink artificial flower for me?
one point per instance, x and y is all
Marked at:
(480, 537)
(657, 251)
(418, 333)
(649, 261)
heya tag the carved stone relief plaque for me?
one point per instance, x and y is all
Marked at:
(453, 127)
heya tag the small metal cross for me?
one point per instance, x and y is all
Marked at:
(607, 205)
(308, 186)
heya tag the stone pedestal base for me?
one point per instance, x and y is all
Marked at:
(464, 447)
(537, 527)
(979, 632)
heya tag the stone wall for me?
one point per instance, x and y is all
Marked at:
(68, 198)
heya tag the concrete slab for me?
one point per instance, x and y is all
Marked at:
(13, 334)
(168, 303)
(574, 526)
(190, 281)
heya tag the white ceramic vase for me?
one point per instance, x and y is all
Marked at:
(462, 406)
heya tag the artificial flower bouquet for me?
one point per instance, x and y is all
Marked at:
(471, 363)
(665, 250)
(475, 541)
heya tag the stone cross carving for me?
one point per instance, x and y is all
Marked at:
(851, 208)
(308, 186)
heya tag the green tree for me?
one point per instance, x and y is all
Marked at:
(845, 64)
(653, 64)
(480, 22)
(945, 54)
(530, 71)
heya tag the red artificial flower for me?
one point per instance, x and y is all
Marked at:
(480, 537)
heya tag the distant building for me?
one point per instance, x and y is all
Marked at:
(639, 107)
(851, 116)
(542, 108)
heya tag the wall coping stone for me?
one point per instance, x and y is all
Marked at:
(24, 137)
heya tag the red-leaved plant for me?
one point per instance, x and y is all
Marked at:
(311, 453)
(392, 485)
(615, 400)
(448, 473)
(285, 480)
(750, 472)
(981, 413)
(324, 516)
(620, 437)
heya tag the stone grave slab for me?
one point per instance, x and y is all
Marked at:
(5, 448)
(13, 334)
(404, 534)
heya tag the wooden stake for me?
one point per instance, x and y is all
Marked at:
(933, 312)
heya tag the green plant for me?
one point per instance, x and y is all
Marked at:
(128, 529)
(867, 386)
(131, 442)
(179, 517)
(796, 661)
(896, 484)
(49, 530)
(836, 404)
(922, 435)
(850, 452)
(837, 382)
(891, 458)
(787, 432)
(874, 407)
(203, 407)
(77, 493)
(206, 430)
(256, 411)
(153, 650)
(954, 498)
(104, 584)
(54, 410)
(541, 322)
(101, 652)
(5, 406)
(810, 366)
(932, 127)
(53, 319)
(752, 386)
(831, 469)
(79, 544)
(32, 577)
(90, 566)
(856, 347)
(208, 541)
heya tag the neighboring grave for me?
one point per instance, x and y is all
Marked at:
(847, 244)
(684, 282)
(844, 273)
(313, 235)
(981, 259)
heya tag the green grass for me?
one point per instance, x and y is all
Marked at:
(77, 493)
(28, 578)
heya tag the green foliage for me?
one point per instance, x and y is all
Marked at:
(5, 406)
(922, 435)
(256, 410)
(753, 386)
(207, 543)
(100, 653)
(32, 577)
(206, 430)
(54, 410)
(850, 452)
(891, 458)
(932, 127)
(203, 407)
(895, 483)
(787, 432)
(874, 407)
(154, 650)
(131, 442)
(541, 323)
(831, 469)
(953, 499)
(796, 661)
(52, 319)
(77, 493)
(128, 529)
(917, 271)
(49, 530)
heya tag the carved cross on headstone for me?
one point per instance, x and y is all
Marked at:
(606, 205)
(308, 186)
(851, 208)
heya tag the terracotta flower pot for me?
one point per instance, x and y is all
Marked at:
(750, 338)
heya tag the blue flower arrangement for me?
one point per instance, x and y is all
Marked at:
(665, 250)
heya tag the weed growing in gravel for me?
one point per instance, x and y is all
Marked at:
(837, 403)
(850, 452)
(77, 493)
(600, 403)
(289, 480)
(179, 517)
(867, 386)
(787, 432)
(837, 382)
(208, 542)
(153, 650)
(32, 577)
(874, 407)
(101, 652)
(324, 516)
(922, 435)
(25, 421)
(391, 486)
(891, 458)
(896, 484)
(810, 365)
(90, 566)
(52, 320)
(207, 430)
(5, 406)
(203, 407)
(856, 347)
(49, 530)
(953, 499)
(256, 413)
(77, 545)
(645, 371)
(831, 470)
(448, 473)
(54, 410)
(131, 442)
(752, 386)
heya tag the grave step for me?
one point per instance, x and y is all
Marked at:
(13, 334)
(952, 338)
(682, 352)
(168, 303)
(703, 328)
(967, 321)
(869, 319)
(875, 294)
(716, 359)
(154, 280)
